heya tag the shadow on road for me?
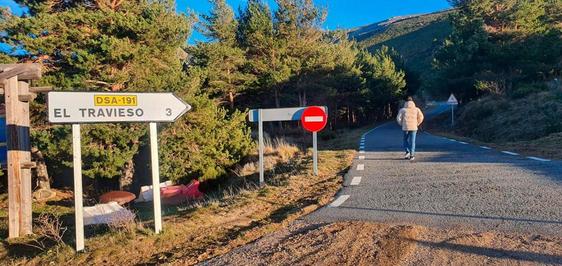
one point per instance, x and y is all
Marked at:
(497, 218)
(493, 252)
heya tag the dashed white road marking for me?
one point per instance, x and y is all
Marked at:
(453, 140)
(355, 181)
(538, 159)
(361, 157)
(339, 201)
(485, 147)
(462, 142)
(510, 153)
(360, 167)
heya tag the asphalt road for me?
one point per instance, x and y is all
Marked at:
(450, 184)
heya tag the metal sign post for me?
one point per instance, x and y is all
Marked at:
(314, 119)
(452, 102)
(261, 145)
(287, 114)
(78, 205)
(155, 165)
(315, 153)
(104, 107)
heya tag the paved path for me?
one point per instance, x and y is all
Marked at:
(450, 184)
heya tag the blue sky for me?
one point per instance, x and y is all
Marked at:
(341, 13)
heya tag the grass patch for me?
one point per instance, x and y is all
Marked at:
(485, 132)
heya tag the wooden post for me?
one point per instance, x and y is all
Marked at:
(19, 154)
(17, 96)
(26, 191)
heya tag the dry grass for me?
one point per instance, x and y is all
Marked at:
(277, 151)
(48, 228)
(125, 222)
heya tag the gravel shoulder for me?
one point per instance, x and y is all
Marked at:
(364, 243)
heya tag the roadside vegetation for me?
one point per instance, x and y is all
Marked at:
(234, 215)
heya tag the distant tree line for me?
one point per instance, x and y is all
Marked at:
(258, 58)
(280, 58)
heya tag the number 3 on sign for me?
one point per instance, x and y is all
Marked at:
(168, 111)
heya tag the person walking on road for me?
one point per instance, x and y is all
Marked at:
(410, 118)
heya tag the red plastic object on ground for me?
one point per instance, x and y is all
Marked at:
(192, 190)
(173, 195)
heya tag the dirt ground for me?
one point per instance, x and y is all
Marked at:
(362, 243)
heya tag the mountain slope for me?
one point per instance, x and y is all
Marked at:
(415, 37)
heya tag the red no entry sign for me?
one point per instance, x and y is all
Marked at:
(314, 119)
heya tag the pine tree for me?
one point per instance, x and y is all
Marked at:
(222, 58)
(384, 81)
(131, 45)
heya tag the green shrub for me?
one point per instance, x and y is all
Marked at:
(205, 143)
(524, 90)
(500, 120)
(106, 148)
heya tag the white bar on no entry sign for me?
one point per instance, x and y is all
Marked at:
(314, 119)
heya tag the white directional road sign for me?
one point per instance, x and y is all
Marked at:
(452, 100)
(114, 107)
(279, 114)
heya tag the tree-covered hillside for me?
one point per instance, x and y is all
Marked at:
(415, 38)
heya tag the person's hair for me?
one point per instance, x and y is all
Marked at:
(409, 99)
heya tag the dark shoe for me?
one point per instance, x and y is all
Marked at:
(407, 156)
(412, 158)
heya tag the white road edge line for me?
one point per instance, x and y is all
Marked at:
(510, 153)
(360, 167)
(355, 181)
(361, 157)
(339, 201)
(538, 159)
(485, 147)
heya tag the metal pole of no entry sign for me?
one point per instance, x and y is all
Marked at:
(155, 177)
(78, 205)
(315, 152)
(261, 146)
